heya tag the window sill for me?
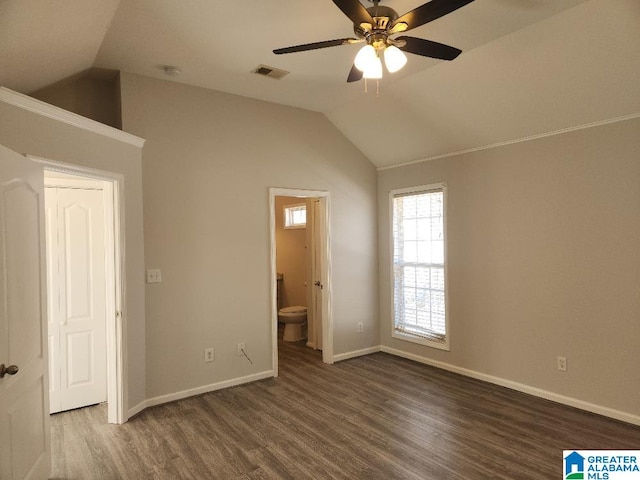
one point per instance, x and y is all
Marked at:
(407, 337)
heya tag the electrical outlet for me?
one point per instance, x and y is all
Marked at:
(562, 364)
(208, 355)
(241, 347)
(360, 327)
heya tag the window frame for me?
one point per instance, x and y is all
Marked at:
(293, 206)
(405, 336)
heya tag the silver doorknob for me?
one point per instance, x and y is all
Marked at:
(10, 370)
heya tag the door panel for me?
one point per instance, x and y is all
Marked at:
(78, 261)
(22, 268)
(51, 222)
(80, 347)
(77, 327)
(26, 420)
(24, 427)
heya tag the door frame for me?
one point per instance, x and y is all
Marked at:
(327, 317)
(115, 291)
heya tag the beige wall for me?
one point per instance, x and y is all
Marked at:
(291, 256)
(93, 94)
(208, 163)
(544, 261)
(33, 134)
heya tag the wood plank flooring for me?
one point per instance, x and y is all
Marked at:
(374, 417)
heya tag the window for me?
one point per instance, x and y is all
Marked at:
(419, 268)
(295, 216)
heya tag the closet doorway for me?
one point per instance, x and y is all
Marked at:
(83, 292)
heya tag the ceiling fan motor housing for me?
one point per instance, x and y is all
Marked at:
(377, 35)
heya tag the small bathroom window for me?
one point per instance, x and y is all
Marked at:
(295, 216)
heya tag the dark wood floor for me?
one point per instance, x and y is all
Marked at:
(374, 417)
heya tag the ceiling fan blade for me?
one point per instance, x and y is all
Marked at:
(428, 12)
(354, 75)
(427, 48)
(314, 46)
(355, 11)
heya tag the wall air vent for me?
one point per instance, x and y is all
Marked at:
(271, 72)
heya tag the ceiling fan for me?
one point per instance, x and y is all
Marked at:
(377, 26)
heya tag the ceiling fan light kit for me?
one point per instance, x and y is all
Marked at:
(377, 26)
(394, 59)
(374, 69)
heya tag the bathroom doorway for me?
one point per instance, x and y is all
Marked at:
(309, 283)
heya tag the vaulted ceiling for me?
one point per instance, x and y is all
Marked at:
(527, 67)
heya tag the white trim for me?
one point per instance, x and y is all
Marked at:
(133, 411)
(36, 106)
(273, 282)
(514, 141)
(115, 262)
(356, 353)
(520, 387)
(327, 323)
(74, 183)
(327, 298)
(172, 397)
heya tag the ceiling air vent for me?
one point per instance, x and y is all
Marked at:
(270, 72)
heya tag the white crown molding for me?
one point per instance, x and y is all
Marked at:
(41, 108)
(515, 140)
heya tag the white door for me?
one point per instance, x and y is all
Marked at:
(24, 403)
(317, 243)
(77, 302)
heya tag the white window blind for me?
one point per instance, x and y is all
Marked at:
(419, 264)
(295, 216)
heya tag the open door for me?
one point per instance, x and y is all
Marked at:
(24, 404)
(317, 272)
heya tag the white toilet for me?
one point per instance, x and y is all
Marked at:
(294, 319)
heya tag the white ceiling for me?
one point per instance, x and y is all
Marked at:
(528, 66)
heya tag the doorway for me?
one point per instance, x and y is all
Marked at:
(318, 283)
(84, 268)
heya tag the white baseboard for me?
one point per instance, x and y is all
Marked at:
(151, 402)
(356, 353)
(520, 387)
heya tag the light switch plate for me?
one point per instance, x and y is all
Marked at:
(154, 275)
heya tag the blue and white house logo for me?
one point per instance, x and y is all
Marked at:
(574, 466)
(601, 464)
